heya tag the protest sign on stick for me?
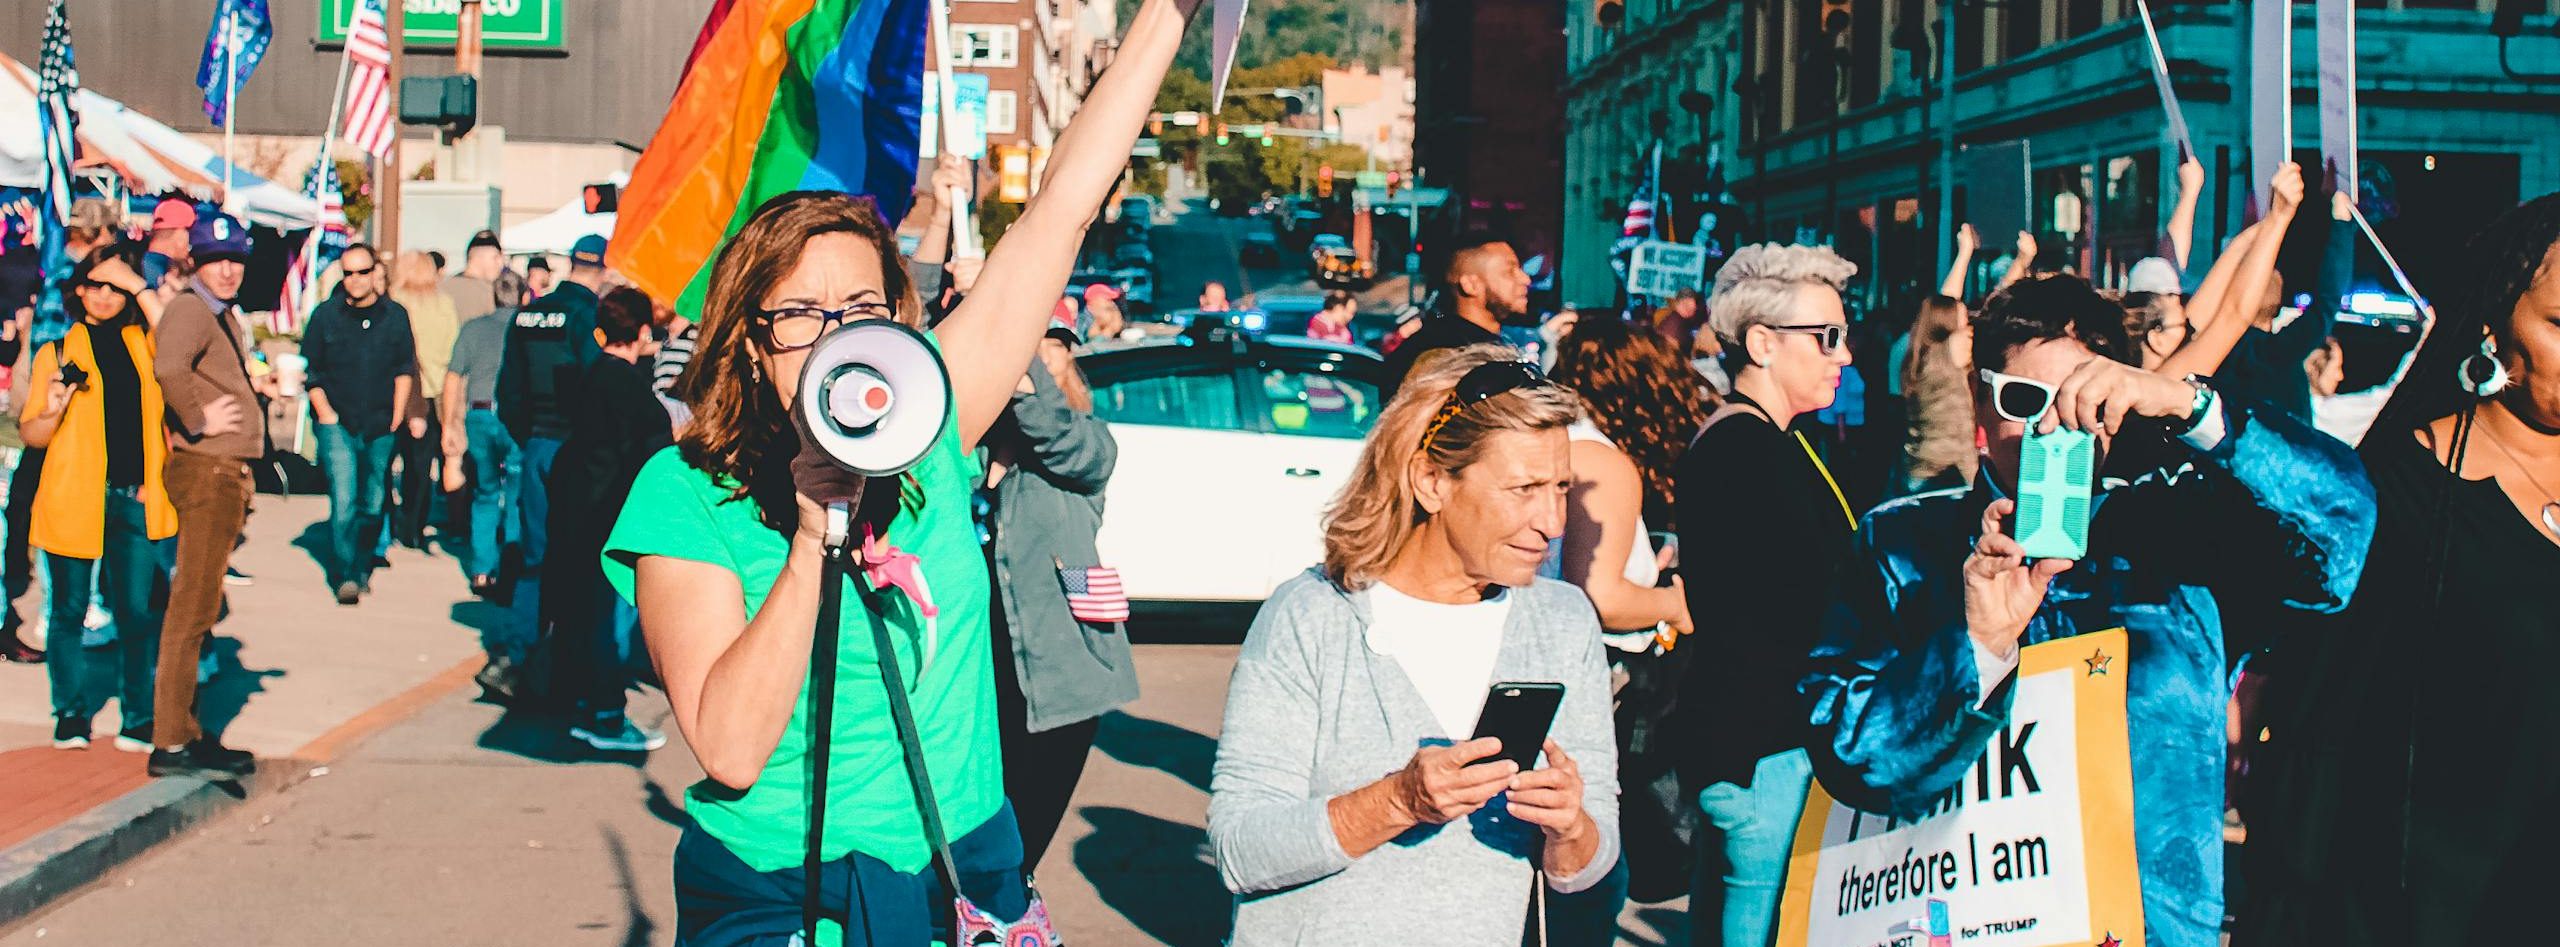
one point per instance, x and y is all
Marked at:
(2270, 93)
(2168, 96)
(2033, 847)
(2338, 92)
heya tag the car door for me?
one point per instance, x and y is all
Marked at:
(1173, 520)
(1316, 406)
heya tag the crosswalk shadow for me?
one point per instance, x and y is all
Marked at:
(1155, 872)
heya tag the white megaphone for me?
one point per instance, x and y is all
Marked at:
(874, 396)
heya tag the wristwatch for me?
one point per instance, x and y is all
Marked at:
(2203, 384)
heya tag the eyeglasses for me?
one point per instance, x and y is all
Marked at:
(1481, 384)
(1830, 335)
(2018, 399)
(793, 328)
(367, 271)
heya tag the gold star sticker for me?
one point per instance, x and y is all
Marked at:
(2098, 661)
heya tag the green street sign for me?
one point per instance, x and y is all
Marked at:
(517, 24)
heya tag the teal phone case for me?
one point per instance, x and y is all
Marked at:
(2057, 474)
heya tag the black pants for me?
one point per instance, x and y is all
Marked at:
(18, 572)
(418, 488)
(1040, 769)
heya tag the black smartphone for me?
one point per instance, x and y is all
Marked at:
(75, 376)
(1519, 713)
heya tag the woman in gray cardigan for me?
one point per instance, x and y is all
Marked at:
(1378, 663)
(1056, 673)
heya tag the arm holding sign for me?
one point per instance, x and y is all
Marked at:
(2182, 218)
(2243, 290)
(1900, 705)
(1966, 242)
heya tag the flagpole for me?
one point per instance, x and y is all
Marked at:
(230, 88)
(310, 252)
(963, 242)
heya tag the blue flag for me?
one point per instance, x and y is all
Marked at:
(58, 125)
(244, 24)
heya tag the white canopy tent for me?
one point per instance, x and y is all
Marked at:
(150, 157)
(552, 233)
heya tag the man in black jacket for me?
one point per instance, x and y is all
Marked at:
(615, 425)
(363, 366)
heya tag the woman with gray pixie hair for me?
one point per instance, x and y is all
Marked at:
(1379, 662)
(1761, 523)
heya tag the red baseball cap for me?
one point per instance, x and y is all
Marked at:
(1100, 291)
(173, 214)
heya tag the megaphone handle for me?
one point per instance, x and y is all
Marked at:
(839, 526)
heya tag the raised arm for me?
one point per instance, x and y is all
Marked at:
(1966, 240)
(2021, 264)
(989, 340)
(2245, 289)
(2182, 218)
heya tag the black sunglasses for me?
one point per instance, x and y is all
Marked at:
(1481, 384)
(1830, 335)
(367, 271)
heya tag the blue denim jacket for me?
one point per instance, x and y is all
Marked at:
(2276, 510)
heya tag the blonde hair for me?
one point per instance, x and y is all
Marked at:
(1757, 286)
(1377, 511)
(414, 273)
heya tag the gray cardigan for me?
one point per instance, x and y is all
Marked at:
(1046, 513)
(1313, 712)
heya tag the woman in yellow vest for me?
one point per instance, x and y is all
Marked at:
(99, 503)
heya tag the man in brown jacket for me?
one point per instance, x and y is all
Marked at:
(203, 365)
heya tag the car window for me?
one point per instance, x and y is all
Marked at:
(1307, 401)
(1198, 396)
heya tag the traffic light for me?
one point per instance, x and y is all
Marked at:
(1324, 181)
(1393, 179)
(1222, 133)
(1609, 13)
(1836, 17)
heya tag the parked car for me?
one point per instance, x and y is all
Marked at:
(1230, 447)
(1260, 249)
(1335, 264)
(1129, 255)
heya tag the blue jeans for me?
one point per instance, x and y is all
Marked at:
(1743, 848)
(126, 575)
(359, 463)
(533, 513)
(721, 902)
(494, 465)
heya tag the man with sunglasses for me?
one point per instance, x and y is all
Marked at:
(1915, 671)
(363, 368)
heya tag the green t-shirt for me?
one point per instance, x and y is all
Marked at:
(680, 512)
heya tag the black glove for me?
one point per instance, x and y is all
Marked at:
(817, 476)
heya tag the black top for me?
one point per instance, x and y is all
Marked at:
(2267, 366)
(1762, 534)
(356, 354)
(2439, 706)
(616, 424)
(121, 386)
(1438, 332)
(548, 348)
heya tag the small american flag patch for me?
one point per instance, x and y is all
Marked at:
(1094, 593)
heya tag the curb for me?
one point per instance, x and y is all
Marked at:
(63, 859)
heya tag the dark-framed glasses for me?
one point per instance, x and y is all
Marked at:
(1829, 335)
(1481, 384)
(792, 328)
(2018, 399)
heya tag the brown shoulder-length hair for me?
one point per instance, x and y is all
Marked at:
(741, 432)
(1377, 511)
(1645, 399)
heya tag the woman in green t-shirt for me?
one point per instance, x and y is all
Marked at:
(720, 547)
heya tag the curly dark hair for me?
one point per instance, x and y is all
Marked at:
(1639, 393)
(2497, 269)
(2049, 307)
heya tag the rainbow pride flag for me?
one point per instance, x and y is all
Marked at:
(781, 95)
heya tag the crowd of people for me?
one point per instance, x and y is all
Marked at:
(1679, 518)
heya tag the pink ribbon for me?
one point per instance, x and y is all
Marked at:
(887, 566)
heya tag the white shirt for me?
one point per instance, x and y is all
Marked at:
(1643, 569)
(1447, 651)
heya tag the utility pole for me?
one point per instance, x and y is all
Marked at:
(1947, 134)
(386, 187)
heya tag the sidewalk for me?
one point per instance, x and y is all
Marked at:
(300, 679)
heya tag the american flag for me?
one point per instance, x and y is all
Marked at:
(1094, 594)
(369, 123)
(301, 280)
(58, 124)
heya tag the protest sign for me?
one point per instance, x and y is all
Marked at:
(1996, 188)
(969, 101)
(1662, 269)
(2033, 848)
(2270, 92)
(2338, 93)
(2160, 78)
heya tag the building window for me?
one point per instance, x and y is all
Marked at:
(2021, 28)
(978, 44)
(1000, 109)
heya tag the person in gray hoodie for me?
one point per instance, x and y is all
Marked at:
(1380, 660)
(1062, 659)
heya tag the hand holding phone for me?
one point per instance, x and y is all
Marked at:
(1518, 713)
(1446, 783)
